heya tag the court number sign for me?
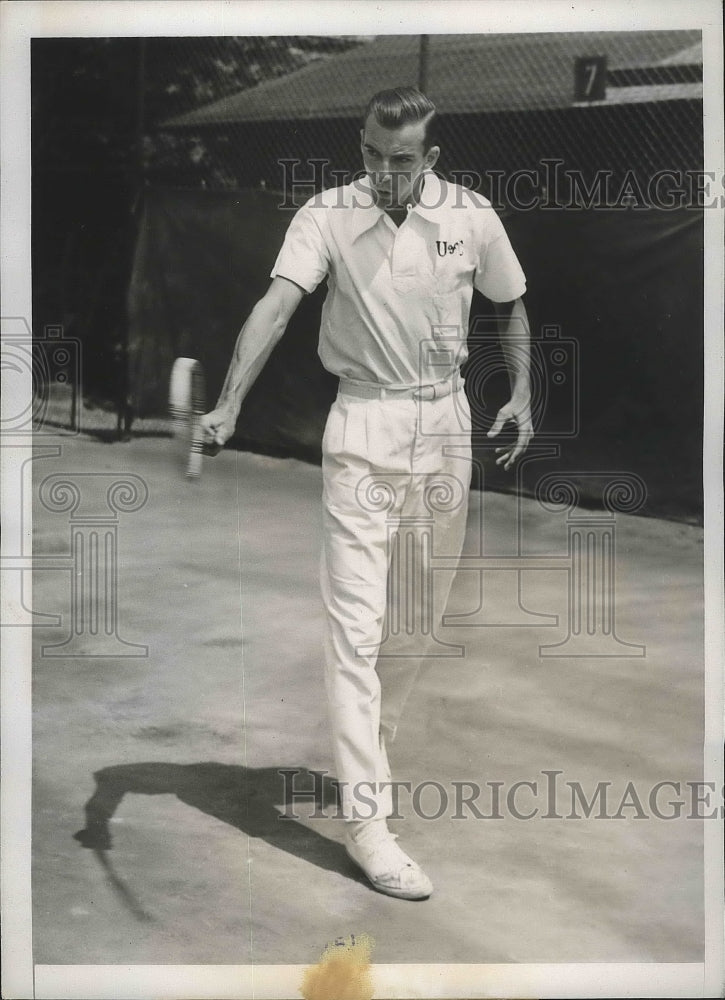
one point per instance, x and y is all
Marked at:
(590, 78)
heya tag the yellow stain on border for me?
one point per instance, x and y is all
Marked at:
(343, 972)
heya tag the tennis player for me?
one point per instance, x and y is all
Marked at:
(402, 250)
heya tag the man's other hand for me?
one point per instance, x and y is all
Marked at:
(520, 412)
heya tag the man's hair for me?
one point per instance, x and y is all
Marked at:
(403, 106)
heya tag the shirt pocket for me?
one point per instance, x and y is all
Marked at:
(453, 266)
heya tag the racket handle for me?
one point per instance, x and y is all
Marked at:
(196, 449)
(187, 404)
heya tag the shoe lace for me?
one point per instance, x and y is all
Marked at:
(388, 854)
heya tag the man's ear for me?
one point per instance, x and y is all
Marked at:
(431, 157)
(362, 137)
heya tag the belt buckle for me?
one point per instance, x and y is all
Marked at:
(425, 392)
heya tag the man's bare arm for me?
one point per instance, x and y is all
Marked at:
(263, 329)
(513, 331)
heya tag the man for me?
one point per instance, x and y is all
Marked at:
(402, 250)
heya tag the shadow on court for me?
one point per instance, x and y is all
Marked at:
(184, 859)
(245, 798)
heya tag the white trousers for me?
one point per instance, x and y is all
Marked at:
(396, 475)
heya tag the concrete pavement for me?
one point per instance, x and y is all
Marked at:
(219, 580)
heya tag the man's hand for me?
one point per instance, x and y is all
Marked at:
(265, 325)
(217, 427)
(513, 331)
(518, 410)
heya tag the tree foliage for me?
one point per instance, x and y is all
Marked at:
(97, 106)
(98, 103)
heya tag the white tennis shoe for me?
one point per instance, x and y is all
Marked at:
(388, 868)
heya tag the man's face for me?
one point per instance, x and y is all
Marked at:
(394, 160)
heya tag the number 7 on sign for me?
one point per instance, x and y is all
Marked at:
(590, 78)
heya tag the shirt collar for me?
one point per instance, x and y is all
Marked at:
(366, 213)
(435, 195)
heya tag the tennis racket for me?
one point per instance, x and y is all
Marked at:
(187, 404)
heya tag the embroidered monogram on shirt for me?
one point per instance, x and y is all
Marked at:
(444, 248)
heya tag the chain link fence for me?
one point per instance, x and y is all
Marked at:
(112, 115)
(532, 107)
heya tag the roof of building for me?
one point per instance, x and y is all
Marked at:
(466, 73)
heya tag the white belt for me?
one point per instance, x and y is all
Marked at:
(373, 390)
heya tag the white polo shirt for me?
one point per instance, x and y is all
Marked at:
(398, 298)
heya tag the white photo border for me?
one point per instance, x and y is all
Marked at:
(19, 22)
